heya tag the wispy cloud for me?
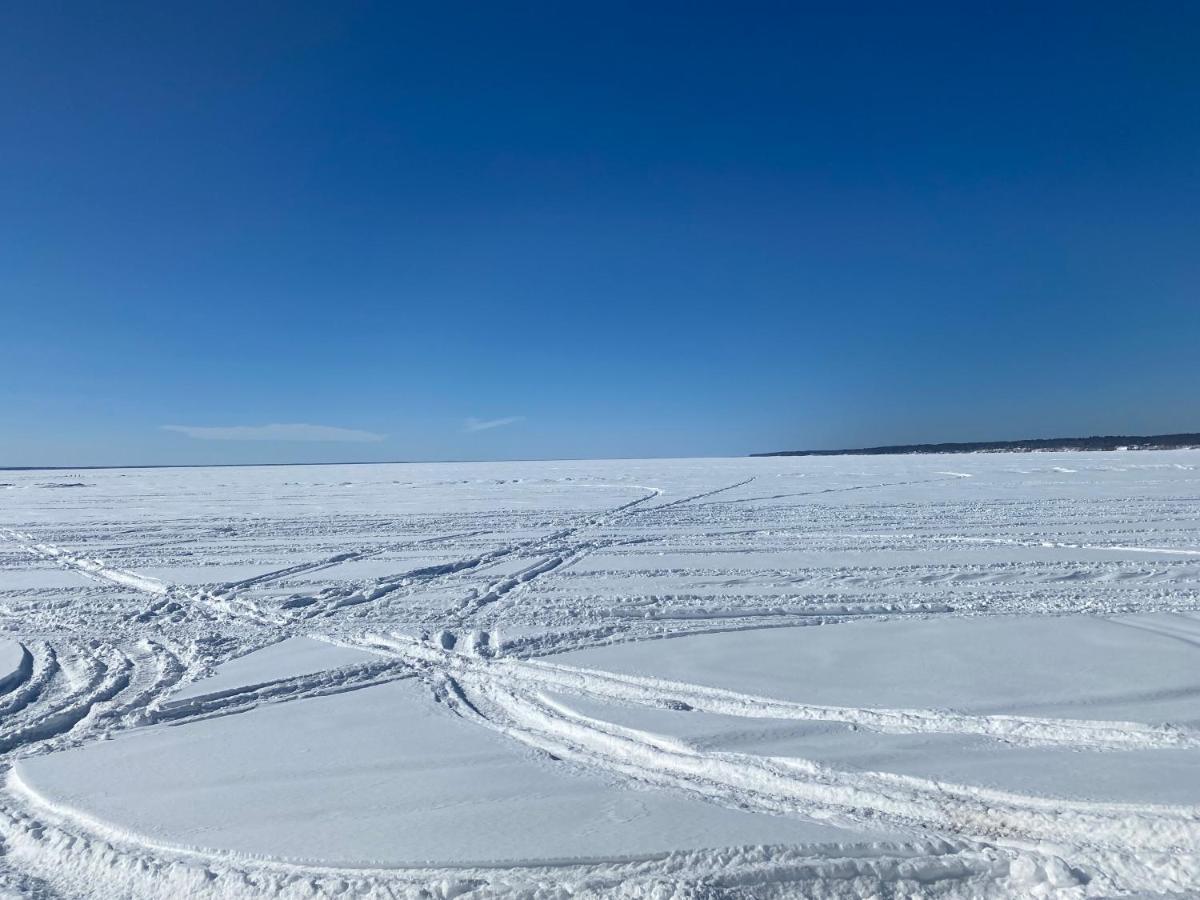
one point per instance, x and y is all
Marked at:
(274, 433)
(485, 424)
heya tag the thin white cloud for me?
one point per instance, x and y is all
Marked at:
(485, 424)
(274, 433)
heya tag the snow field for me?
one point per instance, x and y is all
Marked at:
(834, 677)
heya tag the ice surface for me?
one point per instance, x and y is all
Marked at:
(12, 664)
(379, 777)
(1158, 776)
(286, 659)
(429, 680)
(1082, 667)
(1078, 667)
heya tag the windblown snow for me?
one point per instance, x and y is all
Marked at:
(834, 677)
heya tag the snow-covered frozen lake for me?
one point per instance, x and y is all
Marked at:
(959, 676)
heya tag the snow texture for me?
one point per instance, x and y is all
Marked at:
(779, 677)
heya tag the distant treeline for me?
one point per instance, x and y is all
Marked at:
(1111, 442)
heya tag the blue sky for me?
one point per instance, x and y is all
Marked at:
(306, 232)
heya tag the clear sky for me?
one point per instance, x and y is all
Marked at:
(302, 232)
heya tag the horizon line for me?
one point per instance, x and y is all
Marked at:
(895, 450)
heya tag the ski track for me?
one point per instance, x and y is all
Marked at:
(111, 663)
(334, 599)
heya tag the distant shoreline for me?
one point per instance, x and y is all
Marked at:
(1038, 445)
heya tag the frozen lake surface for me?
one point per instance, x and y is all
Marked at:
(959, 676)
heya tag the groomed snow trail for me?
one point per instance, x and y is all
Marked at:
(472, 580)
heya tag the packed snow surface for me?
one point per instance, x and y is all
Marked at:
(959, 676)
(290, 658)
(13, 661)
(380, 777)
